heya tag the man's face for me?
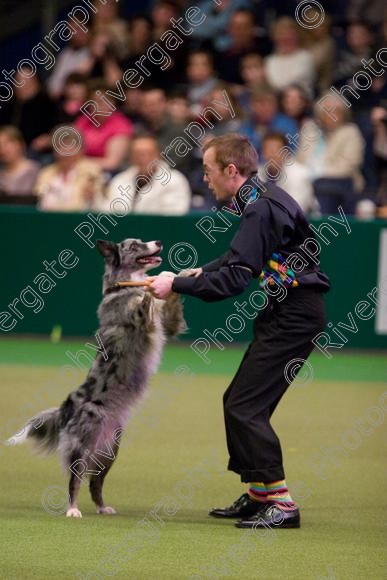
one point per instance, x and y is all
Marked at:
(144, 152)
(218, 179)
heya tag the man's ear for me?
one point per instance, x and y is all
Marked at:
(109, 250)
(232, 170)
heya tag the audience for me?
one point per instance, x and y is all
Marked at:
(108, 143)
(289, 63)
(71, 183)
(270, 81)
(69, 60)
(17, 173)
(334, 159)
(266, 117)
(150, 185)
(292, 176)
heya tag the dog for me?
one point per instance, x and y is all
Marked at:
(133, 327)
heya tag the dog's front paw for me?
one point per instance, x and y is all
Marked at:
(106, 511)
(73, 513)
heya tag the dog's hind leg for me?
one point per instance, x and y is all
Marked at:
(96, 485)
(74, 485)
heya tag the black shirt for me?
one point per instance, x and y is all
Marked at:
(271, 221)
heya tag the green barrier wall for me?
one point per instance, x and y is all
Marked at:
(29, 237)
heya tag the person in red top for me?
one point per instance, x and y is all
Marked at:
(107, 144)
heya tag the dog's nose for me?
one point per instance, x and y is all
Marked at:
(158, 243)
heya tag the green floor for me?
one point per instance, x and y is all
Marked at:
(171, 470)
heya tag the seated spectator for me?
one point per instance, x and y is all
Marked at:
(253, 75)
(216, 25)
(148, 191)
(72, 183)
(359, 41)
(69, 60)
(322, 48)
(379, 121)
(102, 62)
(334, 159)
(178, 109)
(266, 117)
(296, 104)
(107, 144)
(33, 112)
(17, 173)
(107, 21)
(292, 177)
(140, 38)
(201, 78)
(162, 13)
(244, 41)
(158, 123)
(74, 95)
(289, 64)
(221, 119)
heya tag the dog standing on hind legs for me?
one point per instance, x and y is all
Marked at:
(133, 328)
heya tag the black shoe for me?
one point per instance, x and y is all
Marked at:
(243, 507)
(272, 516)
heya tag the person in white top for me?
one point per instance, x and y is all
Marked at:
(281, 166)
(289, 64)
(150, 185)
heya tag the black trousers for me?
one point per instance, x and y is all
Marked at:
(283, 331)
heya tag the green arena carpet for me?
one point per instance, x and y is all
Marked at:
(171, 470)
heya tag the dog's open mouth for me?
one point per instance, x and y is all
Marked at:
(153, 259)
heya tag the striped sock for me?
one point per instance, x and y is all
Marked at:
(257, 491)
(278, 493)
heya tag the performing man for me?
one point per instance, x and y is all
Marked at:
(268, 246)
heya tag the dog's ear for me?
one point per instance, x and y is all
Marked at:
(109, 250)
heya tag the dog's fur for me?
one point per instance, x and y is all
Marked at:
(133, 329)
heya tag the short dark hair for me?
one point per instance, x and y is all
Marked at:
(275, 135)
(236, 149)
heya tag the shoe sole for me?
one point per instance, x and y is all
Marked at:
(274, 526)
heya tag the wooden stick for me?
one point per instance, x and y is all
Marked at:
(134, 284)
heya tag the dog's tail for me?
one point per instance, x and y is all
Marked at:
(43, 429)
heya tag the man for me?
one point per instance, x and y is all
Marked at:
(272, 229)
(153, 186)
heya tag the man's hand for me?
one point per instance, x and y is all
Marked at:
(195, 272)
(161, 286)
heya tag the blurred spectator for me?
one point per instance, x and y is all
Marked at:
(322, 48)
(266, 117)
(201, 78)
(295, 103)
(74, 95)
(216, 25)
(223, 123)
(108, 143)
(158, 124)
(292, 177)
(179, 110)
(149, 191)
(359, 41)
(102, 61)
(289, 63)
(244, 41)
(162, 13)
(69, 60)
(370, 10)
(72, 183)
(334, 158)
(133, 105)
(17, 173)
(253, 75)
(107, 21)
(379, 121)
(140, 38)
(33, 112)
